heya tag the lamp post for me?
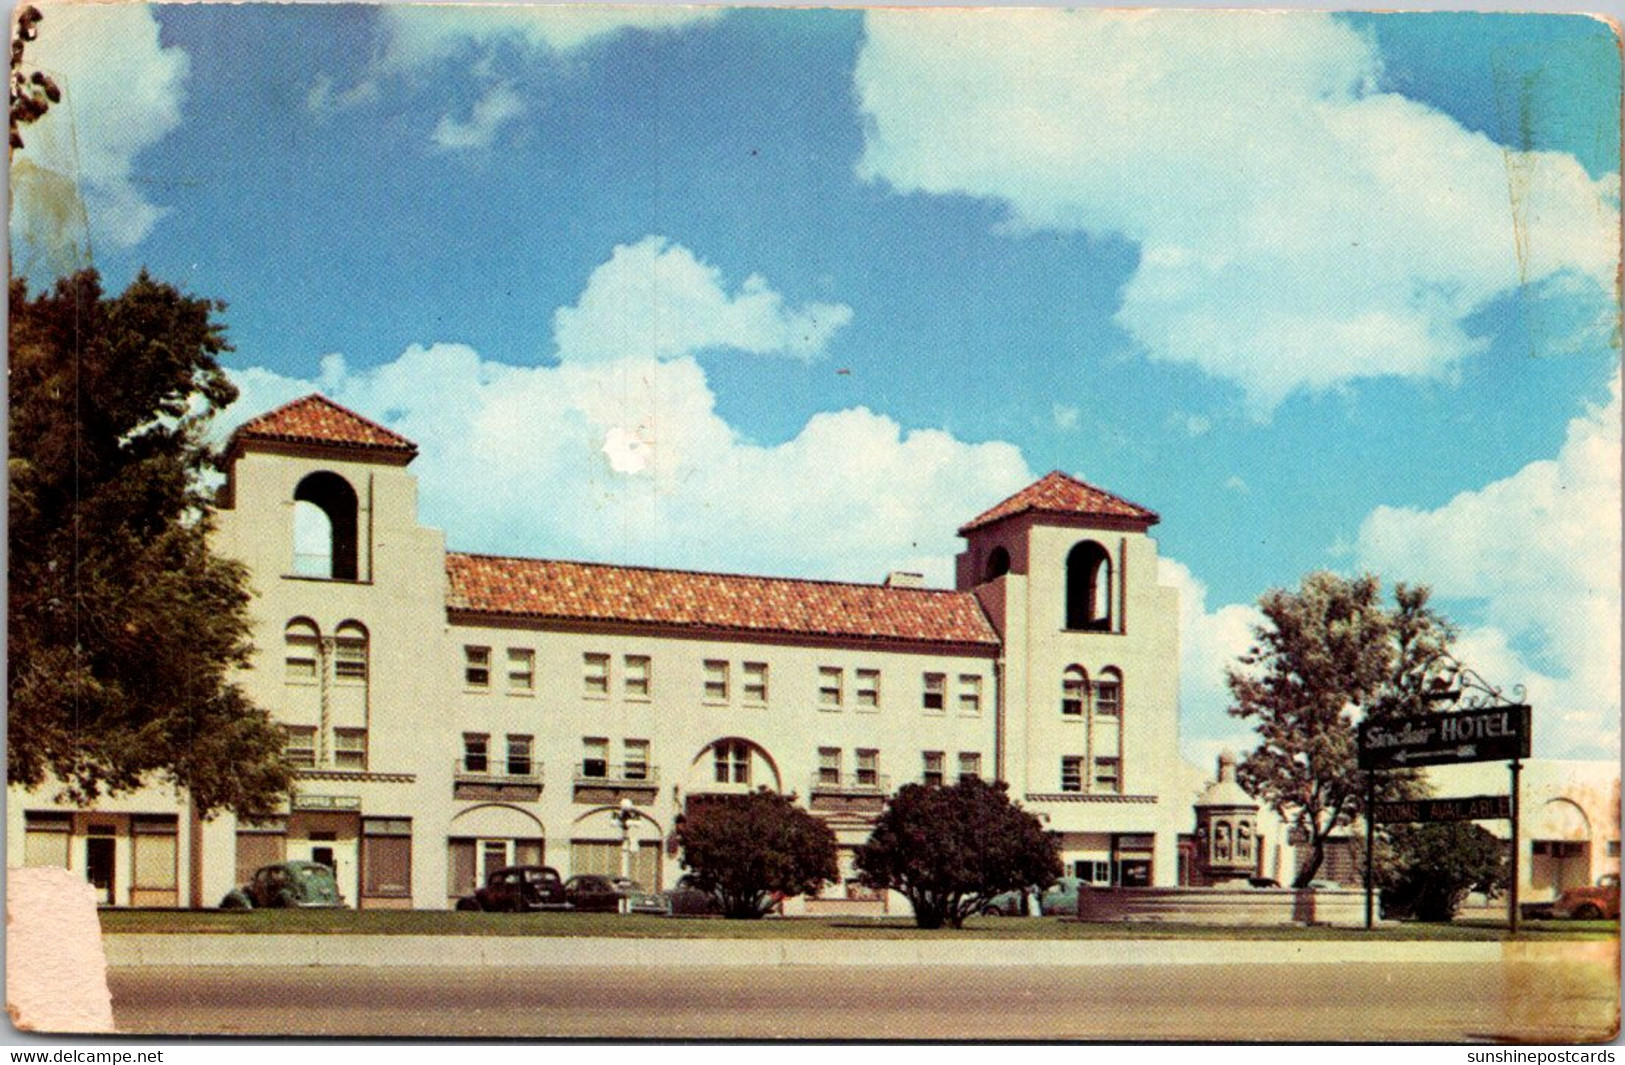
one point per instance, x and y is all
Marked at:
(625, 816)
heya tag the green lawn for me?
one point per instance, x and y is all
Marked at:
(427, 922)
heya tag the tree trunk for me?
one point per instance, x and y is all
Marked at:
(1317, 855)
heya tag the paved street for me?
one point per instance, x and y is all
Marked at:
(1526, 1001)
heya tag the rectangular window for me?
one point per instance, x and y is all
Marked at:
(637, 759)
(868, 767)
(300, 744)
(46, 838)
(732, 763)
(934, 693)
(931, 763)
(519, 763)
(866, 689)
(595, 675)
(350, 659)
(303, 652)
(1613, 848)
(1108, 697)
(1092, 872)
(521, 670)
(476, 666)
(350, 748)
(755, 683)
(154, 840)
(831, 685)
(1108, 775)
(970, 694)
(476, 752)
(970, 766)
(637, 680)
(1072, 773)
(386, 857)
(829, 765)
(716, 681)
(595, 757)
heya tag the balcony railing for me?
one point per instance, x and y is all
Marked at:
(825, 782)
(595, 774)
(495, 772)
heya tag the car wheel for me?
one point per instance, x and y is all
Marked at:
(286, 900)
(1588, 912)
(469, 905)
(236, 900)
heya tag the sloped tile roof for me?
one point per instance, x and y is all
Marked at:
(315, 419)
(581, 591)
(1060, 493)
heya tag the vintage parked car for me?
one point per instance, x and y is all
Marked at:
(1596, 903)
(593, 893)
(301, 885)
(1060, 899)
(518, 888)
(690, 901)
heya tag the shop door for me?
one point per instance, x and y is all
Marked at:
(99, 865)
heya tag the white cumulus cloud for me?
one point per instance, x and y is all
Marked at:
(629, 461)
(1297, 228)
(657, 300)
(1540, 550)
(121, 94)
(417, 35)
(499, 106)
(1209, 641)
(618, 452)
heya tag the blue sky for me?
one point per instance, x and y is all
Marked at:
(799, 291)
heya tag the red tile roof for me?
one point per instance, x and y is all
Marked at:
(315, 419)
(1059, 493)
(582, 591)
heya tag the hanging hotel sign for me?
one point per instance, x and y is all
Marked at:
(1466, 808)
(1490, 734)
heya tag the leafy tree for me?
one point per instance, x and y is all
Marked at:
(1327, 656)
(123, 627)
(1434, 866)
(949, 850)
(751, 850)
(32, 94)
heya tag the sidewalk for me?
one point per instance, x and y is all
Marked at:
(125, 951)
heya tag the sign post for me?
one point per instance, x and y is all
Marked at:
(1480, 734)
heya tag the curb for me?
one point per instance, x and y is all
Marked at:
(131, 951)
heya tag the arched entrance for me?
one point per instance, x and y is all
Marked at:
(598, 845)
(1560, 849)
(487, 837)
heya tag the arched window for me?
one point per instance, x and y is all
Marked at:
(324, 527)
(303, 651)
(1109, 692)
(998, 564)
(1089, 588)
(350, 653)
(1074, 686)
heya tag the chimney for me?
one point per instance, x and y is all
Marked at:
(904, 579)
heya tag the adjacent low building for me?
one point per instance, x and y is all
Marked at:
(451, 713)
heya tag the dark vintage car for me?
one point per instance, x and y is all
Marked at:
(688, 900)
(301, 885)
(592, 893)
(518, 888)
